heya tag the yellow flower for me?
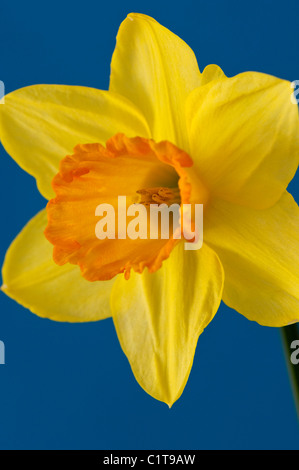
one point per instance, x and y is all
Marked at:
(230, 143)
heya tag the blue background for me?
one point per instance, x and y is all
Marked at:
(69, 385)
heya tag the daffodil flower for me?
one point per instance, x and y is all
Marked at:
(231, 144)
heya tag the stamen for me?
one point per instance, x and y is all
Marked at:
(161, 195)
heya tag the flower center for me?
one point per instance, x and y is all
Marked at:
(158, 195)
(96, 176)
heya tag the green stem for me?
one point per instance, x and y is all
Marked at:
(289, 334)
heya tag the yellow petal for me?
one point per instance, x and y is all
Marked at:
(211, 72)
(158, 318)
(244, 134)
(259, 251)
(156, 70)
(41, 124)
(31, 277)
